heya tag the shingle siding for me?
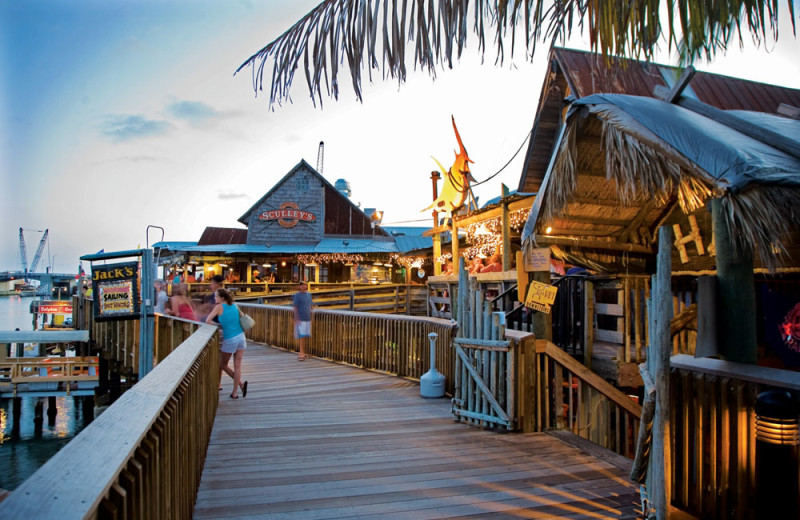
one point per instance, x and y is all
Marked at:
(304, 189)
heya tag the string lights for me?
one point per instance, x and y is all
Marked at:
(487, 236)
(329, 258)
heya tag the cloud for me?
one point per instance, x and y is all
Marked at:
(231, 196)
(192, 111)
(126, 128)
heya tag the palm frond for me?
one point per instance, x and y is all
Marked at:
(346, 30)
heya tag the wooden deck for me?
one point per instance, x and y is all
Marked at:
(317, 440)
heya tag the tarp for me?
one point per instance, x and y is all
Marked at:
(733, 159)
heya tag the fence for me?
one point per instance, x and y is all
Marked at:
(395, 344)
(568, 396)
(394, 299)
(713, 433)
(142, 457)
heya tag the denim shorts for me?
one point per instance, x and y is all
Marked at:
(231, 345)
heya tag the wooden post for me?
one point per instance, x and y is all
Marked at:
(523, 279)
(506, 229)
(736, 314)
(542, 323)
(660, 466)
(454, 243)
(437, 252)
(588, 322)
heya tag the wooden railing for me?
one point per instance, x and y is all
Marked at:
(385, 298)
(395, 344)
(713, 433)
(568, 396)
(49, 369)
(142, 457)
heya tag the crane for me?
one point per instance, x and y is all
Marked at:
(39, 251)
(23, 254)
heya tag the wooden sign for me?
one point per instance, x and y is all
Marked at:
(116, 291)
(538, 259)
(540, 296)
(288, 215)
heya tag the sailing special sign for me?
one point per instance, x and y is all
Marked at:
(287, 215)
(116, 291)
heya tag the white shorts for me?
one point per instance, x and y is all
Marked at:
(302, 329)
(231, 345)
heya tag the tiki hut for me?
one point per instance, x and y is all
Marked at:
(626, 165)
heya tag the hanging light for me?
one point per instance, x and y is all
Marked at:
(267, 265)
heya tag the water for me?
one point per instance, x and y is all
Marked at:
(22, 449)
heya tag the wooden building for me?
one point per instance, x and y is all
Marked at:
(304, 228)
(683, 188)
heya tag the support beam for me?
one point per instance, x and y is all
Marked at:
(597, 244)
(659, 468)
(454, 244)
(505, 223)
(736, 313)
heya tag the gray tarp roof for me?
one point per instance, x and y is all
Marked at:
(730, 157)
(728, 161)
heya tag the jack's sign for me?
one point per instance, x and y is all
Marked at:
(116, 291)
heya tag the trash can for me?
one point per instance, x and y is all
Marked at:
(777, 444)
(431, 384)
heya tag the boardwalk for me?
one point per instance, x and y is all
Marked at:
(316, 440)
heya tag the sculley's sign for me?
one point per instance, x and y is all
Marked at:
(288, 215)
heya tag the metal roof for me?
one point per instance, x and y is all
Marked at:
(218, 235)
(350, 245)
(405, 244)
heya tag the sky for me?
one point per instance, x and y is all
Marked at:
(115, 116)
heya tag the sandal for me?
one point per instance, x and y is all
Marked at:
(234, 396)
(244, 389)
(301, 358)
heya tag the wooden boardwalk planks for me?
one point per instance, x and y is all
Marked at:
(316, 440)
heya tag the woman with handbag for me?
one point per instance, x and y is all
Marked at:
(233, 340)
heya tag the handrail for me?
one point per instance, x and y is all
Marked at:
(395, 298)
(392, 343)
(713, 445)
(587, 376)
(569, 396)
(139, 458)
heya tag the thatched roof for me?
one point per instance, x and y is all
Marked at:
(579, 74)
(626, 165)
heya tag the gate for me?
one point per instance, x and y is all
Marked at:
(484, 364)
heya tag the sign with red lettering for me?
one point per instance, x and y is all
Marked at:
(288, 215)
(116, 291)
(55, 309)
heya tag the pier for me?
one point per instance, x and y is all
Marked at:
(320, 440)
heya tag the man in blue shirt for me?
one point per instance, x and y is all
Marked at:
(302, 317)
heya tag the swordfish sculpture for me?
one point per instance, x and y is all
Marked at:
(456, 181)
